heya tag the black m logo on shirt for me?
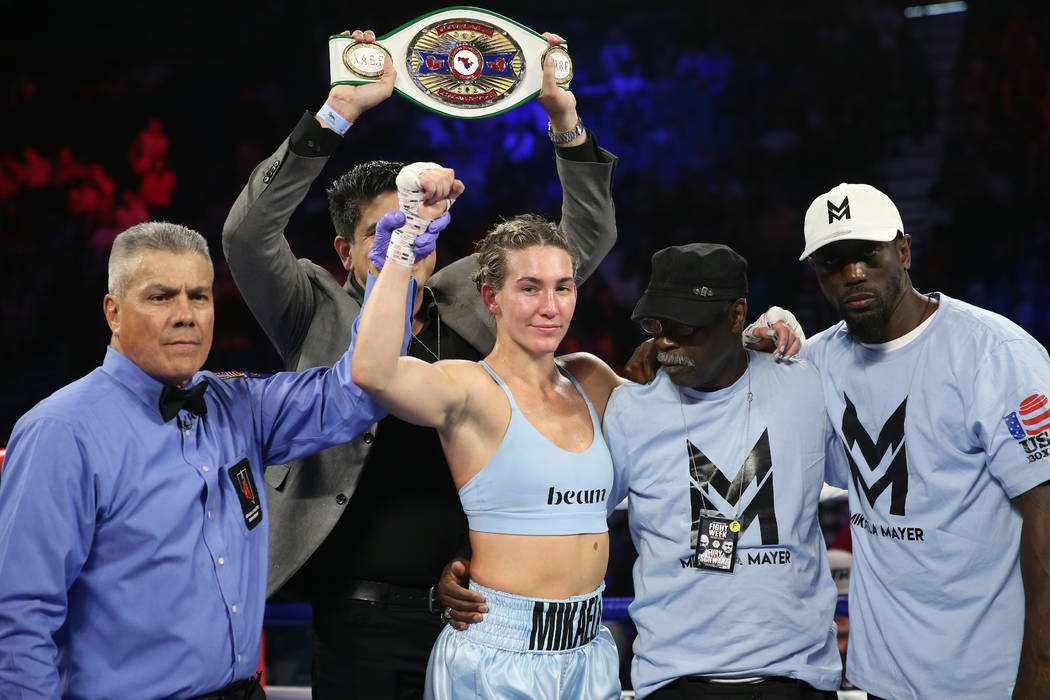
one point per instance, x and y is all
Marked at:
(891, 437)
(756, 468)
(839, 212)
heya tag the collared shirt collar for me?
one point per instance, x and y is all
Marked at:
(353, 288)
(144, 387)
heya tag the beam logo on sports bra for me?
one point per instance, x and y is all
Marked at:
(533, 487)
(570, 497)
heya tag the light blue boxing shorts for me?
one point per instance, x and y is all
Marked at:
(527, 649)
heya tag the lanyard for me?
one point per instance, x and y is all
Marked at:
(735, 525)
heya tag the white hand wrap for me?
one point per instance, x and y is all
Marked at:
(410, 197)
(757, 330)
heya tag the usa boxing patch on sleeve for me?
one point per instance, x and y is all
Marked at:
(226, 375)
(247, 494)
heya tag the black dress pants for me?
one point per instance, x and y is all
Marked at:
(246, 689)
(371, 651)
(691, 688)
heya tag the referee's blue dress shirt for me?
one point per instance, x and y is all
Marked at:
(133, 551)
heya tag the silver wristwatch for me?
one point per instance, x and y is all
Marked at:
(565, 136)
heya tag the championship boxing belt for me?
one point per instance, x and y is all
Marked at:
(464, 62)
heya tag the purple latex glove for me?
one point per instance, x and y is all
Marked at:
(424, 245)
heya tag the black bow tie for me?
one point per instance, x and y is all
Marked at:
(173, 400)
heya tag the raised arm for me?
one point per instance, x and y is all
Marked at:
(413, 390)
(588, 216)
(274, 285)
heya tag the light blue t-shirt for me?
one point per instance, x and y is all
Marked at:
(938, 445)
(773, 616)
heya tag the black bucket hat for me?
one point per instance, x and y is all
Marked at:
(691, 284)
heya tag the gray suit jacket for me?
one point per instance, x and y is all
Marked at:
(307, 315)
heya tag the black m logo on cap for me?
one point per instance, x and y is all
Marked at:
(839, 212)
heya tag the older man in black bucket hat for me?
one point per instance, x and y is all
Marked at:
(722, 458)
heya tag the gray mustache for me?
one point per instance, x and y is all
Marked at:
(670, 358)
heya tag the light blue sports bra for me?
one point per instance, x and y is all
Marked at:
(533, 487)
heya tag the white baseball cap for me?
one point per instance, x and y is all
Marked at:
(850, 212)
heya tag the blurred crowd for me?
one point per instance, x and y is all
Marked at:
(993, 233)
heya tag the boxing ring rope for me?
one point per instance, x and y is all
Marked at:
(295, 614)
(614, 609)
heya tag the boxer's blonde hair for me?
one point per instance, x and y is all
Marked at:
(519, 233)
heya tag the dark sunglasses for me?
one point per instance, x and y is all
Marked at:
(671, 329)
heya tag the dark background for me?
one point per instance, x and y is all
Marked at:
(729, 119)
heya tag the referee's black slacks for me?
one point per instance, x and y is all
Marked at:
(771, 689)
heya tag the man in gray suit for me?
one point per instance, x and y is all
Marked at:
(372, 522)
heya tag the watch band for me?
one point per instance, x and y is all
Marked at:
(565, 136)
(463, 62)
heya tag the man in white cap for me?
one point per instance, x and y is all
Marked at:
(942, 410)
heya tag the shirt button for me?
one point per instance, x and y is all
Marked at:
(221, 561)
(205, 467)
(238, 657)
(233, 608)
(368, 438)
(209, 515)
(340, 499)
